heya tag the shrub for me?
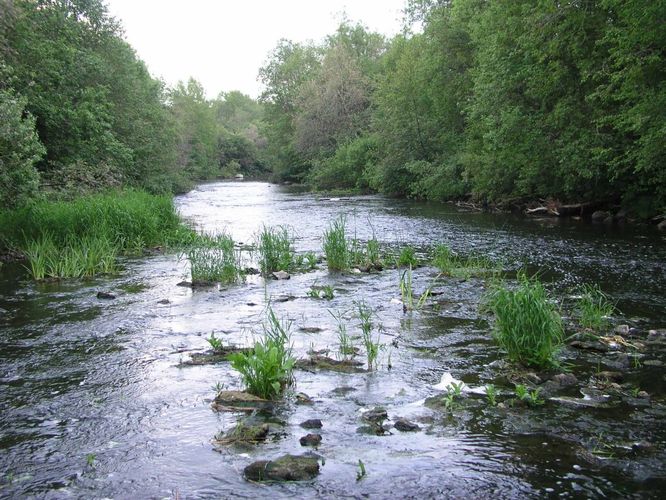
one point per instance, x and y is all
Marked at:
(527, 325)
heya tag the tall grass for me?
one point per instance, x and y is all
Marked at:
(336, 247)
(409, 301)
(528, 326)
(371, 345)
(214, 259)
(276, 253)
(267, 371)
(82, 237)
(594, 308)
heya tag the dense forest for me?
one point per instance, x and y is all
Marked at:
(502, 101)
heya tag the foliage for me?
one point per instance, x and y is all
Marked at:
(321, 292)
(491, 394)
(407, 292)
(407, 257)
(594, 308)
(451, 264)
(20, 149)
(527, 325)
(274, 246)
(268, 369)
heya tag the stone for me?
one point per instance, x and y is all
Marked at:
(611, 376)
(243, 433)
(310, 440)
(376, 415)
(281, 275)
(285, 468)
(187, 284)
(105, 295)
(313, 423)
(303, 399)
(662, 225)
(238, 401)
(622, 329)
(164, 301)
(653, 362)
(404, 425)
(565, 379)
(599, 215)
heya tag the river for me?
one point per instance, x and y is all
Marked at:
(95, 400)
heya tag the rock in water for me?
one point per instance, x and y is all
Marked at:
(281, 275)
(313, 423)
(311, 440)
(285, 468)
(404, 425)
(105, 295)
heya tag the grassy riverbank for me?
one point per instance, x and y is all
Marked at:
(71, 239)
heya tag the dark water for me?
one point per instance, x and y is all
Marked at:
(93, 402)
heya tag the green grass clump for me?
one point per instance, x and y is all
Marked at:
(527, 325)
(594, 308)
(407, 257)
(409, 301)
(372, 346)
(276, 253)
(214, 259)
(456, 266)
(267, 371)
(336, 246)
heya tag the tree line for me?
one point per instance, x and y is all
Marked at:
(500, 101)
(503, 101)
(79, 112)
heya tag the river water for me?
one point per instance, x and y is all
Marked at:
(95, 402)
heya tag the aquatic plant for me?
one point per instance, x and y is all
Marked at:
(361, 472)
(594, 308)
(346, 346)
(528, 326)
(74, 259)
(321, 292)
(267, 371)
(491, 394)
(454, 265)
(336, 246)
(407, 257)
(216, 260)
(530, 397)
(407, 292)
(216, 344)
(274, 246)
(371, 345)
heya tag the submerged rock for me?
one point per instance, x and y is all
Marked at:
(239, 401)
(565, 379)
(281, 275)
(105, 295)
(285, 468)
(326, 363)
(404, 425)
(214, 357)
(310, 440)
(164, 301)
(303, 399)
(376, 415)
(313, 423)
(243, 434)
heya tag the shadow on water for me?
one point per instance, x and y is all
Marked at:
(95, 400)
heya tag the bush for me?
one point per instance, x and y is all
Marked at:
(527, 325)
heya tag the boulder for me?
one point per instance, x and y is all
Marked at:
(285, 468)
(313, 423)
(600, 215)
(404, 425)
(105, 295)
(281, 275)
(310, 440)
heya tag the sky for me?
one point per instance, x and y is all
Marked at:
(223, 43)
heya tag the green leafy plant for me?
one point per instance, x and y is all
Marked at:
(267, 371)
(451, 264)
(530, 397)
(216, 344)
(407, 292)
(594, 308)
(346, 346)
(274, 246)
(527, 325)
(321, 292)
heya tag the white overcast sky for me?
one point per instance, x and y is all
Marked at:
(223, 43)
